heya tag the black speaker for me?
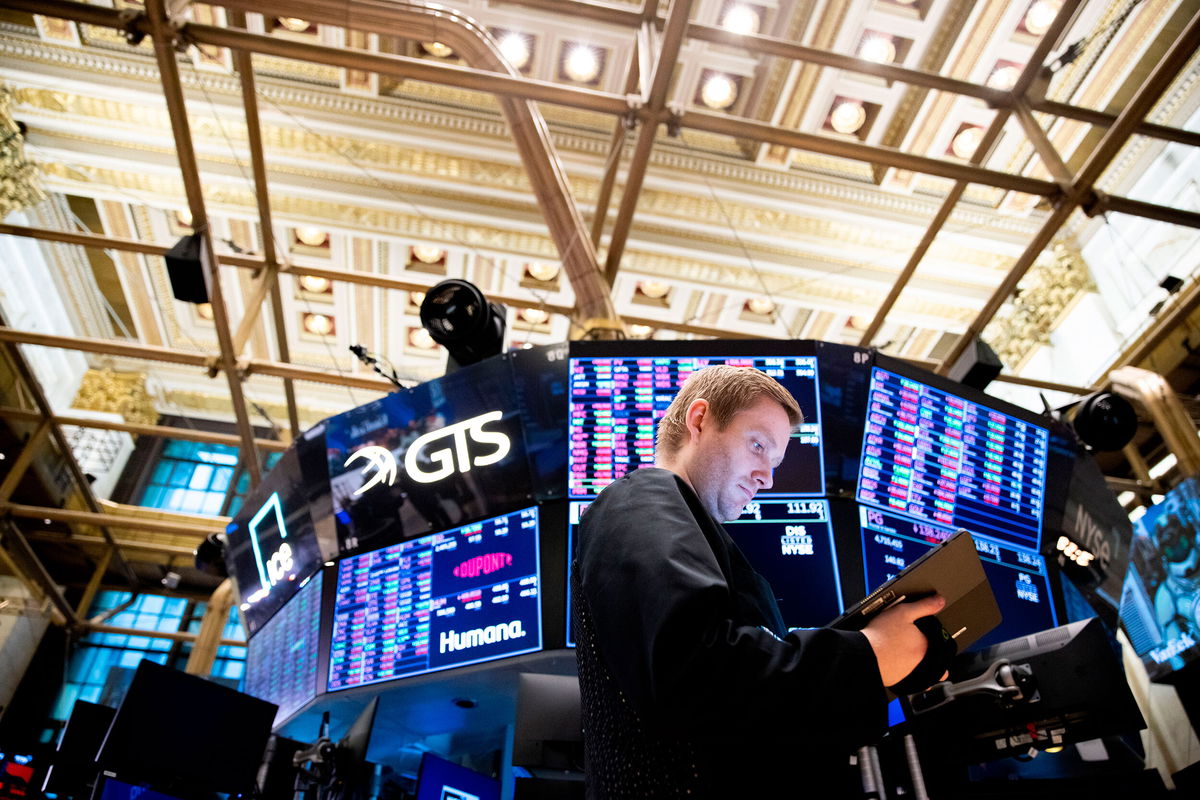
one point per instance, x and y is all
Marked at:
(186, 270)
(977, 366)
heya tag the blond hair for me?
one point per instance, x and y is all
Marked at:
(728, 390)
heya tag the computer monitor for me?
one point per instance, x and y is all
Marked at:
(466, 595)
(276, 541)
(440, 779)
(72, 773)
(619, 391)
(930, 453)
(1161, 593)
(282, 657)
(548, 729)
(1019, 577)
(180, 733)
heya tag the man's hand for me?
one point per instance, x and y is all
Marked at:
(899, 646)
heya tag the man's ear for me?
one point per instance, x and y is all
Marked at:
(696, 417)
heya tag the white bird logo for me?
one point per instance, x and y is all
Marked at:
(382, 459)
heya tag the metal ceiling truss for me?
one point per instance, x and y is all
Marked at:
(644, 105)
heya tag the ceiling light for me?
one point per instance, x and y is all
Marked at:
(966, 141)
(718, 92)
(655, 290)
(879, 48)
(205, 310)
(437, 49)
(582, 63)
(515, 47)
(294, 24)
(313, 237)
(741, 19)
(428, 253)
(315, 284)
(1004, 76)
(541, 271)
(1124, 498)
(534, 316)
(1162, 467)
(1137, 513)
(320, 324)
(184, 218)
(640, 331)
(420, 338)
(416, 298)
(761, 305)
(848, 116)
(1040, 15)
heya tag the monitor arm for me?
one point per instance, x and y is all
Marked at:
(1011, 683)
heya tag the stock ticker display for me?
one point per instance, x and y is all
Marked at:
(616, 402)
(1017, 575)
(281, 659)
(948, 461)
(459, 597)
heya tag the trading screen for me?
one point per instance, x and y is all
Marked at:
(946, 460)
(459, 597)
(616, 402)
(281, 659)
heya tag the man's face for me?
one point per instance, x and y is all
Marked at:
(727, 468)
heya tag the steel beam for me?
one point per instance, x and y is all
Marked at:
(651, 115)
(165, 431)
(154, 353)
(175, 636)
(21, 463)
(33, 564)
(164, 34)
(1050, 157)
(104, 519)
(1172, 62)
(81, 483)
(170, 550)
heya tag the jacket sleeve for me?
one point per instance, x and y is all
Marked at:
(666, 626)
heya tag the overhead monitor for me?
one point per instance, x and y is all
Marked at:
(277, 540)
(459, 597)
(618, 394)
(74, 768)
(935, 456)
(282, 657)
(1160, 603)
(1018, 576)
(429, 458)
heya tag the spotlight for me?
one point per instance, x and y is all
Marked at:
(1102, 421)
(210, 555)
(461, 319)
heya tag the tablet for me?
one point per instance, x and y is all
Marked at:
(951, 569)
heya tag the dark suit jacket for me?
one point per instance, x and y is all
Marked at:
(691, 684)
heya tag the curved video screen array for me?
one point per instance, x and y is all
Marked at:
(617, 401)
(467, 595)
(282, 658)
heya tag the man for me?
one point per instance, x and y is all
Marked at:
(691, 684)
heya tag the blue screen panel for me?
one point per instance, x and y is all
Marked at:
(1017, 576)
(281, 659)
(466, 595)
(949, 461)
(617, 401)
(440, 779)
(790, 543)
